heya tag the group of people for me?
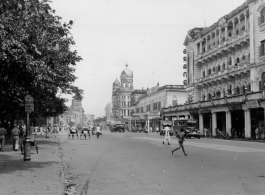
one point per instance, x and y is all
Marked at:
(16, 133)
(180, 137)
(84, 131)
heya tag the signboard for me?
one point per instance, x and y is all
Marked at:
(235, 107)
(252, 104)
(29, 104)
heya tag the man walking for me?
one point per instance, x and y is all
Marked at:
(167, 136)
(15, 136)
(98, 131)
(2, 137)
(181, 140)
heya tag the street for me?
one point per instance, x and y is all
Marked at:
(137, 163)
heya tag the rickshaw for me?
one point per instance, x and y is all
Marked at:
(72, 131)
(85, 132)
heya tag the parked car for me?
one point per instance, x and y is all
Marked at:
(118, 127)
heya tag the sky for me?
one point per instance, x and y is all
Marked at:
(148, 35)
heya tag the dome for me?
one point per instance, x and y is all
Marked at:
(126, 72)
(116, 83)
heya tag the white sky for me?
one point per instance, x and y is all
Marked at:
(147, 34)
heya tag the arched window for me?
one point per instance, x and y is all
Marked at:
(230, 34)
(219, 68)
(214, 69)
(174, 101)
(237, 90)
(243, 57)
(218, 94)
(230, 61)
(243, 28)
(262, 82)
(223, 66)
(209, 96)
(237, 61)
(237, 31)
(262, 16)
(203, 73)
(209, 71)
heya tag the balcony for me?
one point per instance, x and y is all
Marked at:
(226, 101)
(225, 46)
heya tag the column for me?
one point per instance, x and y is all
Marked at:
(219, 36)
(201, 47)
(201, 126)
(239, 22)
(228, 123)
(226, 31)
(245, 14)
(214, 125)
(215, 38)
(233, 34)
(247, 124)
(206, 48)
(148, 125)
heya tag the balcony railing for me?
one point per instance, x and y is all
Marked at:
(233, 99)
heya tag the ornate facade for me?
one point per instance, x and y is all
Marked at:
(225, 69)
(121, 91)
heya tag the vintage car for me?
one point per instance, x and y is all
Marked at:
(118, 127)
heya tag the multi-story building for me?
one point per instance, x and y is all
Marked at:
(147, 106)
(73, 114)
(121, 91)
(225, 69)
(90, 119)
(108, 112)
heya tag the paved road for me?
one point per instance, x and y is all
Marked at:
(135, 163)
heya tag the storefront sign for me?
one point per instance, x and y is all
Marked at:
(252, 104)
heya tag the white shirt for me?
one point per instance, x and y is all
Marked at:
(97, 129)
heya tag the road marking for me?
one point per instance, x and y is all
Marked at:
(209, 146)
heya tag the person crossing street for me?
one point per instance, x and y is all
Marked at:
(167, 136)
(181, 140)
(98, 131)
(2, 137)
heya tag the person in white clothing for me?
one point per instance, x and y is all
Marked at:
(167, 136)
(98, 131)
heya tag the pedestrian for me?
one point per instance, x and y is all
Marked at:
(15, 136)
(257, 132)
(181, 140)
(2, 137)
(98, 131)
(167, 136)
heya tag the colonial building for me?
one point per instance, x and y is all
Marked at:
(147, 104)
(73, 114)
(121, 91)
(225, 70)
(108, 113)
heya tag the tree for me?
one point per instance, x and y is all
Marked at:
(36, 58)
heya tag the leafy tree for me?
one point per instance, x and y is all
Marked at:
(36, 58)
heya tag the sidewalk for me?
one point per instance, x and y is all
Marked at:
(42, 175)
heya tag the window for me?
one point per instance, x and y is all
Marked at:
(237, 61)
(209, 96)
(159, 105)
(229, 61)
(262, 16)
(218, 94)
(223, 66)
(243, 28)
(237, 31)
(243, 58)
(262, 48)
(219, 68)
(230, 34)
(174, 101)
(203, 73)
(142, 109)
(214, 69)
(262, 82)
(209, 71)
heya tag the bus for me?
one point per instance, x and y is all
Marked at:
(190, 127)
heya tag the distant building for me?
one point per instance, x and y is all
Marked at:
(90, 119)
(108, 112)
(74, 114)
(147, 105)
(121, 91)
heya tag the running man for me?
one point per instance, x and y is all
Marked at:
(181, 140)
